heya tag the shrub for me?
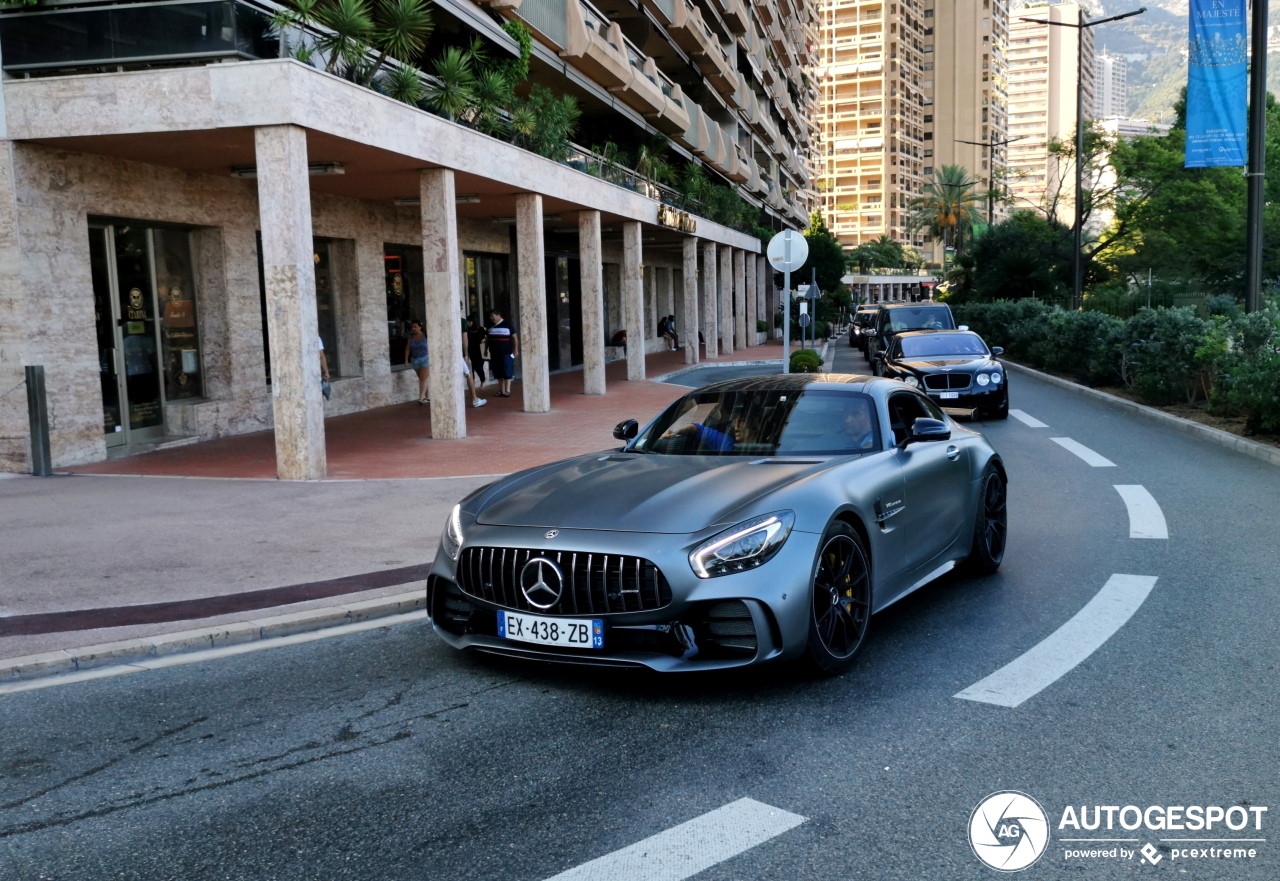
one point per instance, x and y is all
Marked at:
(805, 361)
(1156, 353)
(762, 326)
(1255, 392)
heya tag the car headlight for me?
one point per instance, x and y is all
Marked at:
(912, 381)
(983, 379)
(452, 540)
(997, 378)
(750, 544)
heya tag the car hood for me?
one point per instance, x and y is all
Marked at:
(943, 363)
(640, 493)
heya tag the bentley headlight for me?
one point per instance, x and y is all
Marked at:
(742, 547)
(912, 381)
(453, 533)
(997, 377)
(983, 380)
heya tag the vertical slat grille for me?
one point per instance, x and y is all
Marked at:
(593, 583)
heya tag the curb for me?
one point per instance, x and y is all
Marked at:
(1217, 436)
(133, 650)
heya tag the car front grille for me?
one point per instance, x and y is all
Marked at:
(594, 584)
(947, 382)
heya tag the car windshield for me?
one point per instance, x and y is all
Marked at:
(921, 318)
(780, 422)
(942, 345)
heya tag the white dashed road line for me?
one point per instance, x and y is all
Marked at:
(1025, 419)
(210, 654)
(1084, 452)
(1056, 655)
(1146, 520)
(691, 847)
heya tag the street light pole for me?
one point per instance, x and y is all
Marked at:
(1077, 255)
(991, 145)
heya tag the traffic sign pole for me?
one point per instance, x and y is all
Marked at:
(786, 312)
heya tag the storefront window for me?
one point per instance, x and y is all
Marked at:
(176, 292)
(487, 287)
(326, 316)
(406, 299)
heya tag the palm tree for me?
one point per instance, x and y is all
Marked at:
(947, 207)
(401, 31)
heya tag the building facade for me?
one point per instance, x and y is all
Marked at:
(1111, 89)
(184, 228)
(1042, 103)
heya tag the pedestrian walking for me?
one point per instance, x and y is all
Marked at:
(415, 356)
(468, 371)
(504, 349)
(324, 370)
(476, 349)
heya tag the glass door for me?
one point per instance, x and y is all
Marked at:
(105, 317)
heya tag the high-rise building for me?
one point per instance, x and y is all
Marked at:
(966, 84)
(1111, 90)
(1042, 103)
(222, 208)
(872, 115)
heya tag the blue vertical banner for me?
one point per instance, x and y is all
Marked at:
(1217, 84)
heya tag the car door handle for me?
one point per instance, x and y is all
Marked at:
(953, 452)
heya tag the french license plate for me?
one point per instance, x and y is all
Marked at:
(949, 396)
(574, 633)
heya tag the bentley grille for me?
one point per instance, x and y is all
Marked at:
(947, 382)
(594, 584)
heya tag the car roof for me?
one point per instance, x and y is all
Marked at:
(945, 330)
(923, 304)
(794, 382)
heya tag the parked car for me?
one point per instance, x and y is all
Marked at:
(954, 368)
(901, 317)
(859, 326)
(754, 520)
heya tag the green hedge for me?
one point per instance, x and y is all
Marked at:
(1165, 356)
(805, 361)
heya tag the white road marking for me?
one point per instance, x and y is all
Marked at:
(210, 654)
(1059, 652)
(1084, 452)
(1146, 520)
(691, 847)
(1027, 419)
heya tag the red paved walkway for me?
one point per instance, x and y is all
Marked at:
(396, 441)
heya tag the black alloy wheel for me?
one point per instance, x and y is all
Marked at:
(991, 527)
(840, 601)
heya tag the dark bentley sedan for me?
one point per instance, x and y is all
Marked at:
(954, 368)
(754, 520)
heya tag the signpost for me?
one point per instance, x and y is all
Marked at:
(787, 250)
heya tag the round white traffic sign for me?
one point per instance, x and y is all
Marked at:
(787, 251)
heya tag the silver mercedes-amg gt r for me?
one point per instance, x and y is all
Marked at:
(754, 520)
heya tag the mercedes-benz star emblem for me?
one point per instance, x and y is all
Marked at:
(541, 582)
(552, 533)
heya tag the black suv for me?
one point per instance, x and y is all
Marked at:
(899, 317)
(860, 327)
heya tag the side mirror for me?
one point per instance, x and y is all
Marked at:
(924, 430)
(626, 430)
(997, 350)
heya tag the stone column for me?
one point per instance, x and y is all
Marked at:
(444, 316)
(710, 295)
(633, 299)
(650, 303)
(725, 299)
(668, 287)
(532, 286)
(764, 292)
(284, 208)
(740, 297)
(592, 272)
(753, 305)
(688, 327)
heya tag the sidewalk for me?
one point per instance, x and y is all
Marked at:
(148, 545)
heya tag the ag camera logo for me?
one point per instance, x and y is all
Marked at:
(1008, 831)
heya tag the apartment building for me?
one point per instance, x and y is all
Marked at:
(1042, 103)
(872, 115)
(906, 85)
(966, 124)
(1111, 89)
(188, 215)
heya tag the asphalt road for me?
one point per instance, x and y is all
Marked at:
(385, 755)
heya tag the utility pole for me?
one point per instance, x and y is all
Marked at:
(991, 145)
(1257, 156)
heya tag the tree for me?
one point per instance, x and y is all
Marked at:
(947, 208)
(1023, 256)
(825, 254)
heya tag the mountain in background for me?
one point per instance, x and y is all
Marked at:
(1155, 45)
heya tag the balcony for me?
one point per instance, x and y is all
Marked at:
(696, 137)
(141, 34)
(595, 45)
(674, 117)
(689, 31)
(643, 92)
(735, 16)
